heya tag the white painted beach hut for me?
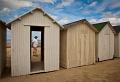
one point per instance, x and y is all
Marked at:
(117, 41)
(104, 41)
(77, 44)
(34, 20)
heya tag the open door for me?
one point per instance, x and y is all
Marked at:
(37, 49)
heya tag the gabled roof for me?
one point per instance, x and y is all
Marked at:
(100, 26)
(116, 28)
(31, 12)
(66, 26)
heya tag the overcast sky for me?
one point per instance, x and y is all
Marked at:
(65, 11)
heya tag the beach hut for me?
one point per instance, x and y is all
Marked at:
(117, 41)
(2, 46)
(77, 44)
(22, 27)
(104, 41)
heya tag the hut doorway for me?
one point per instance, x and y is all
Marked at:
(37, 49)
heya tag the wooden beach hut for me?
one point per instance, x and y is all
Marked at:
(77, 44)
(117, 41)
(104, 41)
(2, 46)
(34, 20)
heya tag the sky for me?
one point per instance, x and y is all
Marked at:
(36, 33)
(65, 11)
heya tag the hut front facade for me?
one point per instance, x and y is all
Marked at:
(77, 44)
(104, 41)
(21, 27)
(117, 41)
(2, 47)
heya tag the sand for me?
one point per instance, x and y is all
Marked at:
(106, 71)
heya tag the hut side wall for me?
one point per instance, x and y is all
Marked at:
(105, 44)
(63, 48)
(96, 46)
(80, 45)
(116, 46)
(119, 44)
(0, 51)
(20, 58)
(2, 48)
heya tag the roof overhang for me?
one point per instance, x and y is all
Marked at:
(111, 27)
(32, 11)
(3, 24)
(66, 26)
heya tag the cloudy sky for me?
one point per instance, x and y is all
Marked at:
(65, 11)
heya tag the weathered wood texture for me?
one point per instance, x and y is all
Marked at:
(79, 46)
(2, 47)
(20, 59)
(63, 48)
(117, 45)
(105, 44)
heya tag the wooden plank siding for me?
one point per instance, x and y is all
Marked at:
(0, 53)
(117, 45)
(105, 44)
(20, 59)
(80, 46)
(63, 48)
(2, 47)
(20, 46)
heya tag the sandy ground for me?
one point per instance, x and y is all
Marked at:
(106, 71)
(8, 57)
(36, 57)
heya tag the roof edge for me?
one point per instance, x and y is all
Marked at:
(30, 12)
(84, 21)
(3, 23)
(107, 22)
(112, 28)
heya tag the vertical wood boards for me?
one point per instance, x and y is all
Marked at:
(51, 45)
(117, 45)
(20, 58)
(105, 44)
(0, 51)
(111, 40)
(63, 48)
(80, 46)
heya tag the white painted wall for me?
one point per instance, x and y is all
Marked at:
(105, 44)
(79, 44)
(117, 45)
